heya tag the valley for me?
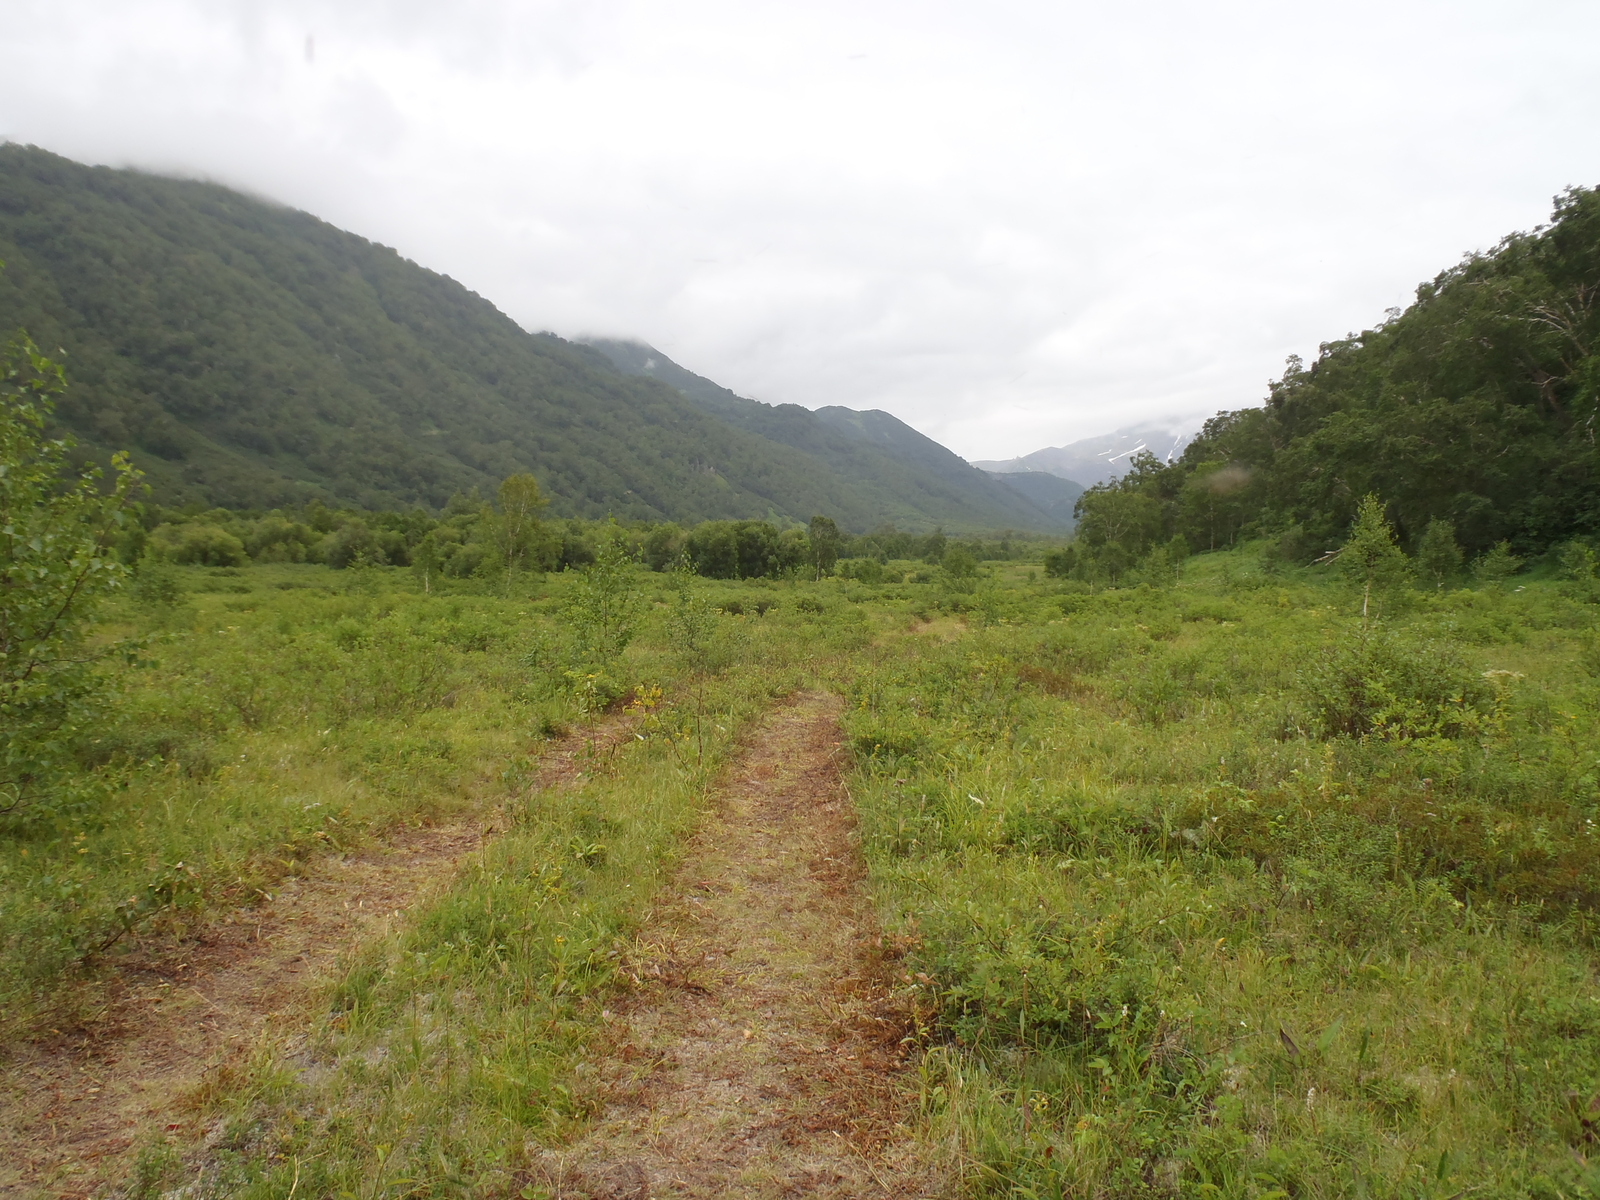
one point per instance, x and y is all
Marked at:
(438, 759)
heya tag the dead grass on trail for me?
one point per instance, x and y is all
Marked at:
(77, 1104)
(760, 1051)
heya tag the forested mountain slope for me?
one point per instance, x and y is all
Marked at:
(1476, 408)
(251, 356)
(902, 474)
(1057, 496)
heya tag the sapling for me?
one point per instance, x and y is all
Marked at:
(1497, 565)
(1438, 556)
(605, 603)
(692, 623)
(1370, 557)
(602, 613)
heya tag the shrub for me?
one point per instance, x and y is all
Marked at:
(274, 539)
(959, 564)
(1370, 559)
(1379, 683)
(155, 584)
(1058, 564)
(1497, 565)
(866, 570)
(1581, 568)
(56, 561)
(352, 545)
(198, 545)
(662, 546)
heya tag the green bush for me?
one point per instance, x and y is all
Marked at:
(866, 570)
(58, 535)
(1379, 683)
(194, 544)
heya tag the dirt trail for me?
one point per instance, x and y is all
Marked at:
(75, 1106)
(759, 1054)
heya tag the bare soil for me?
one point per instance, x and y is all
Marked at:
(76, 1105)
(761, 1052)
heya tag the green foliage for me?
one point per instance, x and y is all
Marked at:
(516, 529)
(1579, 562)
(1113, 516)
(1580, 566)
(604, 606)
(155, 584)
(57, 562)
(866, 570)
(1474, 407)
(741, 550)
(1203, 884)
(663, 547)
(692, 623)
(825, 541)
(959, 565)
(1497, 565)
(1203, 890)
(193, 544)
(253, 357)
(1369, 558)
(1379, 683)
(1438, 555)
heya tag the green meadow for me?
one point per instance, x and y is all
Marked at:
(1203, 886)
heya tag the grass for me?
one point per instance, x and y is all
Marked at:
(1180, 937)
(1207, 890)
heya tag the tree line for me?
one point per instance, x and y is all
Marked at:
(1472, 415)
(508, 533)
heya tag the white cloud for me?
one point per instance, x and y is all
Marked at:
(1012, 224)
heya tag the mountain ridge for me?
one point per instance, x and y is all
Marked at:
(253, 356)
(900, 469)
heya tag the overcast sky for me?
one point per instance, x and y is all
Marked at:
(1011, 224)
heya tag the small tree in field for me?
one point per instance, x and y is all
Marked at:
(57, 529)
(825, 542)
(692, 624)
(1370, 558)
(605, 604)
(517, 526)
(426, 560)
(1438, 555)
(1496, 565)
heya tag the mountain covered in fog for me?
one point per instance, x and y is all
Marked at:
(253, 356)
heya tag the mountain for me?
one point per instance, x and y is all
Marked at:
(1055, 495)
(1097, 459)
(253, 356)
(904, 476)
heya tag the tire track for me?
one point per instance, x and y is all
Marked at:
(759, 1052)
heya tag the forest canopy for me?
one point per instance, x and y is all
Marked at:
(1472, 411)
(253, 357)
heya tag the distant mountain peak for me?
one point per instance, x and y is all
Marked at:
(1098, 459)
